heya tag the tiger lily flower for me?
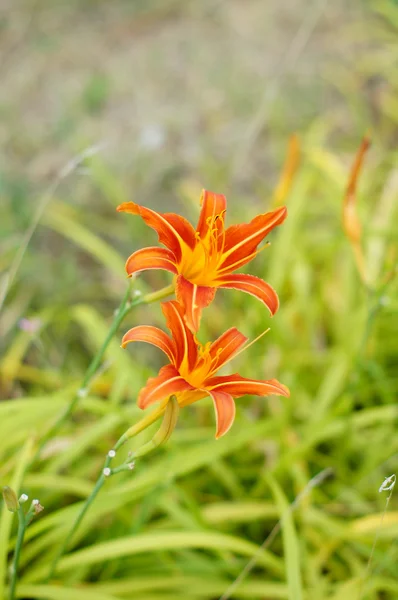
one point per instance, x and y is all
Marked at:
(191, 372)
(205, 259)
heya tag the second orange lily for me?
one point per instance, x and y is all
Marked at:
(191, 372)
(205, 259)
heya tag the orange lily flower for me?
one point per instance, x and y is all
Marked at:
(205, 259)
(191, 372)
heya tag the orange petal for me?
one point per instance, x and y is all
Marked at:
(151, 335)
(166, 383)
(212, 206)
(173, 231)
(242, 240)
(193, 298)
(224, 406)
(240, 386)
(151, 258)
(222, 350)
(185, 346)
(254, 286)
(129, 207)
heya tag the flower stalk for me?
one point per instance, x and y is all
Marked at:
(170, 410)
(122, 311)
(16, 506)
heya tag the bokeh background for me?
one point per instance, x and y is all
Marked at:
(103, 102)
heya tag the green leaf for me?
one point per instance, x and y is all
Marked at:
(290, 541)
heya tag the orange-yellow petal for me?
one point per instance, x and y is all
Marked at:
(129, 207)
(223, 349)
(224, 406)
(186, 350)
(212, 205)
(252, 285)
(175, 232)
(151, 335)
(242, 240)
(237, 386)
(151, 258)
(193, 298)
(166, 383)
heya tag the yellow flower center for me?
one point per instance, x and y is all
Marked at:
(199, 266)
(204, 366)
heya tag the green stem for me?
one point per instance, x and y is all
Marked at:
(21, 533)
(123, 309)
(105, 473)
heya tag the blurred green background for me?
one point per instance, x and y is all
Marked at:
(103, 102)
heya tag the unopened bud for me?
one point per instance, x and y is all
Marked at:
(10, 499)
(107, 471)
(23, 498)
(165, 430)
(169, 422)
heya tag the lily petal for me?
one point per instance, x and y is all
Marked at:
(242, 240)
(151, 335)
(212, 205)
(185, 345)
(166, 383)
(252, 285)
(151, 258)
(193, 298)
(173, 231)
(224, 347)
(237, 386)
(224, 406)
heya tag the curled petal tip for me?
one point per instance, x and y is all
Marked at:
(284, 390)
(284, 212)
(130, 207)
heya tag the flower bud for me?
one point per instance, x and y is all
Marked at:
(164, 431)
(10, 499)
(169, 422)
(37, 507)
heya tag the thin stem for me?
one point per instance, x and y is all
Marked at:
(123, 309)
(105, 473)
(21, 533)
(100, 482)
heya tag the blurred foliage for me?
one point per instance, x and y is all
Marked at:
(184, 96)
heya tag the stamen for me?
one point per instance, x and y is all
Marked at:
(252, 342)
(215, 358)
(223, 232)
(204, 350)
(243, 260)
